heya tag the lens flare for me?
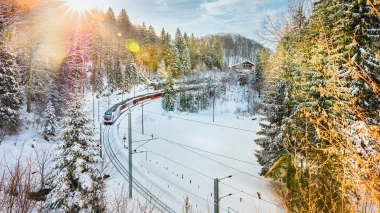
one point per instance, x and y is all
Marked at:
(132, 46)
(79, 5)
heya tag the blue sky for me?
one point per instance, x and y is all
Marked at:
(201, 17)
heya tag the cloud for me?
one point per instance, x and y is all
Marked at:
(163, 2)
(237, 16)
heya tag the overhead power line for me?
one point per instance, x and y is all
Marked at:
(207, 157)
(202, 122)
(239, 190)
(202, 150)
(251, 195)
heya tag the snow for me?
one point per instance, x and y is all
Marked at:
(177, 152)
(174, 154)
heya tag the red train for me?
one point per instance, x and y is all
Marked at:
(112, 114)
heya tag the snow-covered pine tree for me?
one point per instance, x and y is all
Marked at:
(351, 81)
(272, 142)
(217, 53)
(77, 183)
(172, 61)
(144, 37)
(124, 25)
(256, 75)
(50, 126)
(183, 53)
(10, 94)
(168, 101)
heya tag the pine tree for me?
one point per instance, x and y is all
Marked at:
(217, 53)
(10, 96)
(256, 75)
(183, 53)
(144, 36)
(110, 21)
(124, 25)
(272, 142)
(193, 52)
(77, 182)
(172, 61)
(152, 35)
(168, 101)
(50, 126)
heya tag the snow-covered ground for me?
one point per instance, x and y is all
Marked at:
(200, 152)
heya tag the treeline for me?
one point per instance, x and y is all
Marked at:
(51, 56)
(321, 135)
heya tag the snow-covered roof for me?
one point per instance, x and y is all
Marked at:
(242, 63)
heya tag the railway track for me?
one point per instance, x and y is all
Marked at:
(155, 201)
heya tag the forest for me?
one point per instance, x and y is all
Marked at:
(321, 139)
(319, 92)
(50, 58)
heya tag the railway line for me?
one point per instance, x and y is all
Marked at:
(112, 153)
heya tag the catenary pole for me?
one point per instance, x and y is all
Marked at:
(130, 153)
(100, 140)
(216, 195)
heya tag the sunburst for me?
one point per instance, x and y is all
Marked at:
(79, 5)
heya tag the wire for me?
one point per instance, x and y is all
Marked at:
(251, 195)
(213, 153)
(180, 164)
(175, 184)
(229, 127)
(239, 190)
(206, 157)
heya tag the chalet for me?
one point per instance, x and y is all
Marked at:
(243, 67)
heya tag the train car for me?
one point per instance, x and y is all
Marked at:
(112, 114)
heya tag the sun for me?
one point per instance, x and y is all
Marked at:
(79, 5)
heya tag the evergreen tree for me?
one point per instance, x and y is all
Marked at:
(168, 101)
(144, 36)
(50, 126)
(256, 75)
(152, 35)
(272, 142)
(71, 70)
(10, 96)
(172, 61)
(183, 51)
(77, 182)
(124, 25)
(110, 21)
(193, 51)
(217, 53)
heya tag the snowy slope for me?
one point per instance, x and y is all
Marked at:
(183, 148)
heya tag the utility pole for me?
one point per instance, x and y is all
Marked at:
(213, 107)
(100, 140)
(130, 153)
(93, 110)
(216, 195)
(142, 118)
(98, 111)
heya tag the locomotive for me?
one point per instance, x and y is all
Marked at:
(112, 114)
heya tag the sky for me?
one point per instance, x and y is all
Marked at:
(201, 17)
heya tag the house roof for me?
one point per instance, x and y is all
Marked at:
(242, 63)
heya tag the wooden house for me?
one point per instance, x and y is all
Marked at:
(243, 67)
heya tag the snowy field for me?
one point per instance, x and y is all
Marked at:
(200, 152)
(188, 155)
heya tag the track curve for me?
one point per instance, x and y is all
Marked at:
(112, 154)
